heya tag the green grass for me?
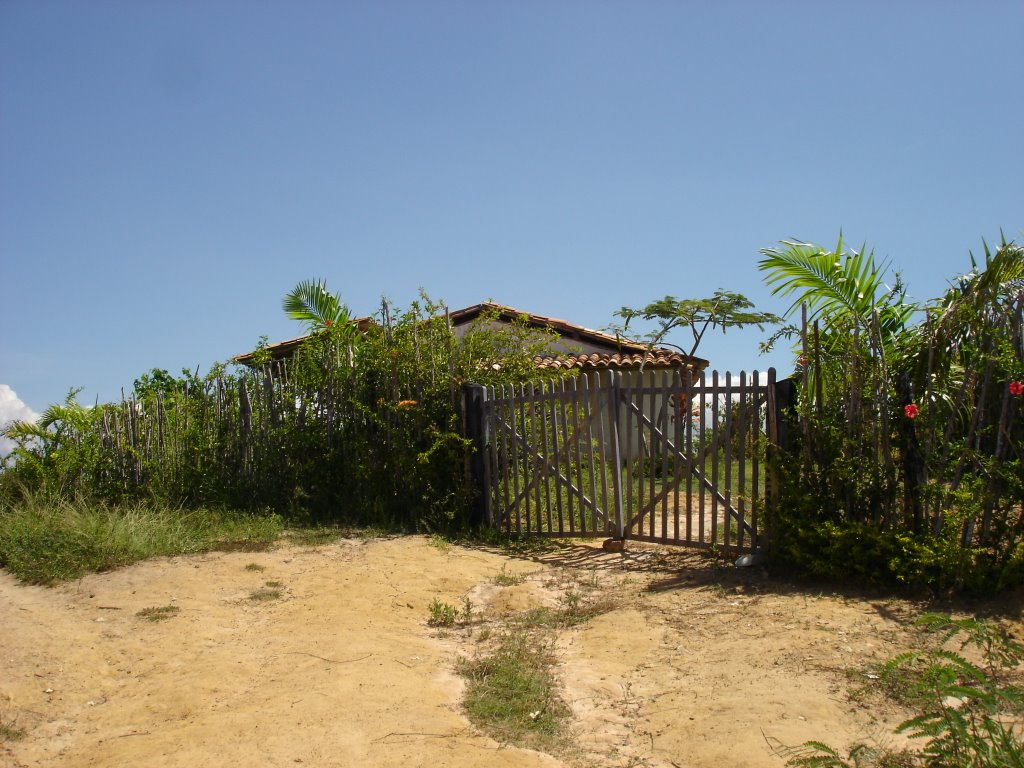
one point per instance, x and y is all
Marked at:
(46, 542)
(511, 693)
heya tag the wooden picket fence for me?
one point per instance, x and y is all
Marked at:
(672, 457)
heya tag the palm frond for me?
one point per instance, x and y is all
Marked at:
(312, 303)
(829, 281)
(24, 430)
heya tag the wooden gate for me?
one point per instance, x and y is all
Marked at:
(669, 457)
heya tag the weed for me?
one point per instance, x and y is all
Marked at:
(442, 614)
(254, 567)
(506, 579)
(315, 537)
(467, 610)
(9, 732)
(262, 595)
(273, 584)
(158, 613)
(539, 617)
(572, 610)
(439, 542)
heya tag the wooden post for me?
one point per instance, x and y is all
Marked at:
(781, 410)
(473, 403)
(613, 433)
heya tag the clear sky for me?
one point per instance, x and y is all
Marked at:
(170, 169)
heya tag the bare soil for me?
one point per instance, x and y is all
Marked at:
(697, 664)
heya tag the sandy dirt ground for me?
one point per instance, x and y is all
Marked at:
(698, 664)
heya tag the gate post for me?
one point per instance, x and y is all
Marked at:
(473, 399)
(613, 426)
(781, 404)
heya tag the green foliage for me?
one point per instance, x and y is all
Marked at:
(442, 614)
(310, 302)
(158, 382)
(966, 710)
(872, 491)
(44, 541)
(358, 428)
(838, 284)
(723, 309)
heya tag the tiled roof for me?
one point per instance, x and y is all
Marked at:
(656, 358)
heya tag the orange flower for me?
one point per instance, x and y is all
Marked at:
(406, 404)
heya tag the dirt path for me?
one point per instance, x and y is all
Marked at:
(696, 667)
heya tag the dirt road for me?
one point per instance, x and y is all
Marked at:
(698, 665)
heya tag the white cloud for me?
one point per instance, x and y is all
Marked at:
(12, 409)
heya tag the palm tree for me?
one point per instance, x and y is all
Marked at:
(59, 424)
(843, 287)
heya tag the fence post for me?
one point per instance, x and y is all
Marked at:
(473, 398)
(613, 426)
(781, 405)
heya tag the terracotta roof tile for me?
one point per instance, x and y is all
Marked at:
(656, 358)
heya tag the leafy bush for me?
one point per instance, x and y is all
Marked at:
(904, 458)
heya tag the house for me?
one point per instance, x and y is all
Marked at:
(576, 346)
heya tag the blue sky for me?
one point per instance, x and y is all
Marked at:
(169, 170)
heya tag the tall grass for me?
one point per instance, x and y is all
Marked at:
(45, 541)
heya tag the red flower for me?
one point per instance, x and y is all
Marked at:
(327, 323)
(1016, 387)
(911, 411)
(802, 360)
